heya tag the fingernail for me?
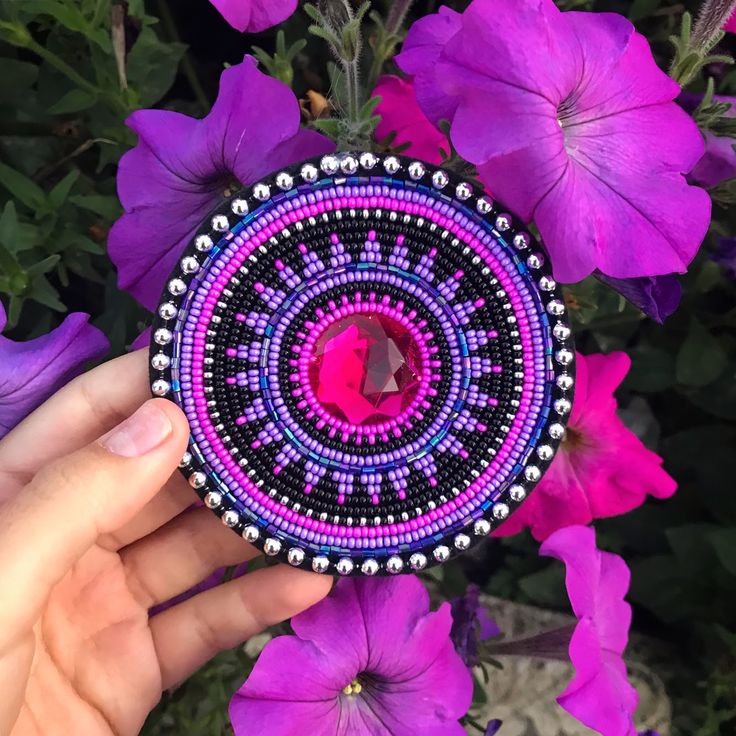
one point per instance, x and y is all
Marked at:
(140, 433)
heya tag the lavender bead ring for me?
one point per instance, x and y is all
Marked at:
(374, 361)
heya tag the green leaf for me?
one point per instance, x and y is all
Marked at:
(65, 12)
(73, 101)
(14, 309)
(546, 587)
(724, 543)
(44, 293)
(16, 79)
(107, 207)
(652, 369)
(718, 398)
(152, 66)
(701, 359)
(642, 9)
(688, 542)
(656, 583)
(22, 188)
(58, 195)
(43, 266)
(9, 226)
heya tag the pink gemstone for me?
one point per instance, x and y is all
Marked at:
(365, 369)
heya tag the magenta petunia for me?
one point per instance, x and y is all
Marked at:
(183, 167)
(33, 370)
(730, 26)
(600, 695)
(602, 468)
(572, 125)
(252, 16)
(368, 659)
(401, 115)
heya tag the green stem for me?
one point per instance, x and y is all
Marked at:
(60, 65)
(187, 67)
(352, 89)
(547, 645)
(397, 15)
(387, 42)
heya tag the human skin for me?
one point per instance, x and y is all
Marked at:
(96, 527)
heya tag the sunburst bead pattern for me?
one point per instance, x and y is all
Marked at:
(374, 360)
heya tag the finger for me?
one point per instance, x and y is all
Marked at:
(176, 496)
(75, 499)
(188, 635)
(181, 554)
(83, 410)
(91, 405)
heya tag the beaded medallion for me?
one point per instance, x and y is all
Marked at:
(374, 360)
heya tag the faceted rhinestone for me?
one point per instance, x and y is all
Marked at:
(365, 368)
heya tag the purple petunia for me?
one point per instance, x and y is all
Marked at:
(368, 659)
(183, 167)
(252, 16)
(657, 296)
(725, 256)
(31, 371)
(571, 124)
(471, 624)
(718, 162)
(600, 695)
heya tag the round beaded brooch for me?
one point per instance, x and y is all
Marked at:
(374, 360)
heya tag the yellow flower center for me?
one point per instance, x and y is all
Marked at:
(354, 688)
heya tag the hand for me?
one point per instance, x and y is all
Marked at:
(94, 531)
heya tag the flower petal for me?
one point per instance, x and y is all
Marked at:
(419, 55)
(181, 168)
(377, 619)
(600, 695)
(620, 73)
(591, 147)
(511, 42)
(253, 16)
(433, 690)
(290, 668)
(596, 583)
(657, 296)
(608, 218)
(31, 371)
(401, 115)
(254, 124)
(602, 468)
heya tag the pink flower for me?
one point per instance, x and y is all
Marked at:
(602, 468)
(400, 114)
(182, 167)
(571, 124)
(600, 695)
(31, 371)
(730, 26)
(252, 16)
(368, 659)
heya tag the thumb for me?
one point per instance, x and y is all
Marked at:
(72, 501)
